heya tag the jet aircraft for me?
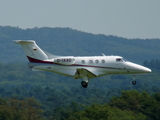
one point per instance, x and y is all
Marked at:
(85, 67)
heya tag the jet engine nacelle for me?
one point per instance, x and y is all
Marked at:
(65, 60)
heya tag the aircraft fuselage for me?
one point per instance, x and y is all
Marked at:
(99, 65)
(78, 67)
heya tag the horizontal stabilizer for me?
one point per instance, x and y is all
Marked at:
(23, 41)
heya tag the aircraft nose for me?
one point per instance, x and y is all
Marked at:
(139, 68)
(147, 70)
(143, 69)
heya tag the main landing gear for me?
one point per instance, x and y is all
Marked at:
(85, 81)
(134, 80)
(84, 84)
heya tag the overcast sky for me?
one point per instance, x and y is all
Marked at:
(123, 18)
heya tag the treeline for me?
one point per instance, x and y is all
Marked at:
(67, 41)
(129, 105)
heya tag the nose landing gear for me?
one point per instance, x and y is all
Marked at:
(134, 80)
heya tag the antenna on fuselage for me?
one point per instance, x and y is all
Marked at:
(103, 54)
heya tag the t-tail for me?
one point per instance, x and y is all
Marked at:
(32, 51)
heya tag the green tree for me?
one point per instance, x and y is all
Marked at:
(13, 109)
(137, 102)
(105, 112)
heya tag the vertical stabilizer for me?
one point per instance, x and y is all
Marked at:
(32, 51)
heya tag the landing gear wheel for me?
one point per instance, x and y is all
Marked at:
(84, 84)
(134, 82)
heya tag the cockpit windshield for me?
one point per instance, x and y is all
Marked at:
(124, 60)
(121, 60)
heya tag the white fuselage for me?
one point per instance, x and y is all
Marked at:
(78, 67)
(99, 65)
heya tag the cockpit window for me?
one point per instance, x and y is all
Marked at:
(119, 60)
(125, 60)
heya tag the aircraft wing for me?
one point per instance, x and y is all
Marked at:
(85, 72)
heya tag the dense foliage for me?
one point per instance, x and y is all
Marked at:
(129, 105)
(42, 95)
(14, 109)
(27, 95)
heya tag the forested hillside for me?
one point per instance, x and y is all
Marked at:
(66, 41)
(46, 96)
(28, 95)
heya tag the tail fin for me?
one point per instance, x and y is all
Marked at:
(32, 51)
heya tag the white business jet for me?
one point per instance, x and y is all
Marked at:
(78, 67)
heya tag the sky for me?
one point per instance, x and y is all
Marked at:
(123, 18)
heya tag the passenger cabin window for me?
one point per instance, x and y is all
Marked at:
(119, 60)
(96, 61)
(103, 61)
(83, 62)
(90, 61)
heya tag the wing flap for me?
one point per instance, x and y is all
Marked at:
(84, 72)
